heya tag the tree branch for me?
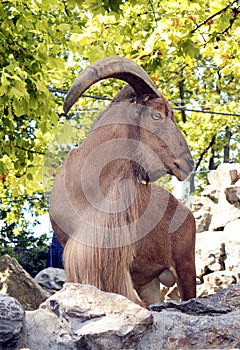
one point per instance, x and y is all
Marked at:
(182, 97)
(231, 21)
(214, 15)
(29, 150)
(205, 151)
(153, 10)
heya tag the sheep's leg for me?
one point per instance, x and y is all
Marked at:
(130, 292)
(150, 293)
(186, 279)
(183, 242)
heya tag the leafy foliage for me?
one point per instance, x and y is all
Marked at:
(32, 259)
(18, 239)
(190, 49)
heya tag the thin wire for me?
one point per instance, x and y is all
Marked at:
(25, 196)
(203, 111)
(47, 194)
(64, 92)
(28, 240)
(176, 108)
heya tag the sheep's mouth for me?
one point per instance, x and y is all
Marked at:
(182, 168)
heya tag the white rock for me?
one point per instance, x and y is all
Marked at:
(81, 316)
(209, 242)
(216, 327)
(221, 178)
(231, 231)
(202, 209)
(51, 278)
(216, 281)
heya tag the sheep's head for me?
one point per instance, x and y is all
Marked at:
(159, 132)
(160, 147)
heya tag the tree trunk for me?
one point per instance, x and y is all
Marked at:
(211, 164)
(181, 91)
(226, 148)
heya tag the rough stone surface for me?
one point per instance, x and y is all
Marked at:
(208, 245)
(207, 254)
(208, 323)
(17, 283)
(201, 208)
(11, 321)
(210, 242)
(233, 195)
(51, 278)
(83, 317)
(223, 212)
(219, 203)
(231, 231)
(216, 281)
(221, 177)
(212, 193)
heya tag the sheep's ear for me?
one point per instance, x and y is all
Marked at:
(127, 93)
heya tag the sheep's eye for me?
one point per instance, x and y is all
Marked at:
(157, 116)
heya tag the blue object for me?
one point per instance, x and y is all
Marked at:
(55, 253)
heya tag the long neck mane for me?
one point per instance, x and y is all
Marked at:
(108, 239)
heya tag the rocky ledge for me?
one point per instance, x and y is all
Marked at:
(82, 317)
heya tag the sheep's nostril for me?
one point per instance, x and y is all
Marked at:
(176, 164)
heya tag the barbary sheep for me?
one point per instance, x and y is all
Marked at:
(120, 232)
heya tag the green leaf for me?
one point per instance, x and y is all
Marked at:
(30, 176)
(14, 92)
(94, 53)
(188, 48)
(41, 86)
(3, 89)
(20, 108)
(64, 27)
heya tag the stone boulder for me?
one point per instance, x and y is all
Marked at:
(212, 193)
(216, 281)
(51, 278)
(233, 195)
(231, 231)
(222, 176)
(209, 243)
(202, 211)
(203, 323)
(219, 202)
(17, 283)
(12, 316)
(83, 317)
(223, 212)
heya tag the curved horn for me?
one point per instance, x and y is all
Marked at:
(111, 67)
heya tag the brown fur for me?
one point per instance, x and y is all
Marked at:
(165, 253)
(105, 260)
(91, 264)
